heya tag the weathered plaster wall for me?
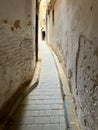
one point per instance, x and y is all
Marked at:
(17, 45)
(74, 37)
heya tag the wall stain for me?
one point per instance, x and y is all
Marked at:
(12, 29)
(29, 23)
(5, 21)
(96, 52)
(17, 24)
(29, 15)
(91, 8)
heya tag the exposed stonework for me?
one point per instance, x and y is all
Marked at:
(87, 83)
(17, 46)
(73, 34)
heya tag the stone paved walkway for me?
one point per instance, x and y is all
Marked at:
(43, 108)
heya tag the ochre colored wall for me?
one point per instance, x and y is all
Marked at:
(17, 45)
(74, 38)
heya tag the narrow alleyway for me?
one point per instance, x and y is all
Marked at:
(58, 91)
(43, 108)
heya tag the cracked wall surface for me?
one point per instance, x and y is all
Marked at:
(74, 38)
(17, 46)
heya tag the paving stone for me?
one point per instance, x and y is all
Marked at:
(57, 112)
(41, 113)
(24, 120)
(57, 106)
(43, 108)
(42, 120)
(34, 127)
(54, 127)
(49, 101)
(57, 119)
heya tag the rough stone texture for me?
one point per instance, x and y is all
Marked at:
(74, 37)
(17, 39)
